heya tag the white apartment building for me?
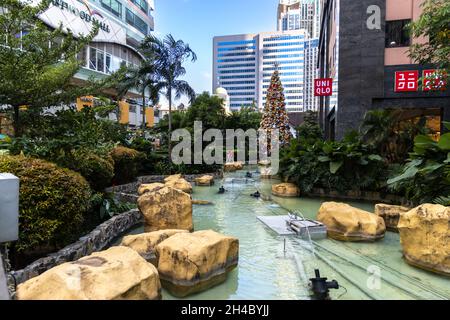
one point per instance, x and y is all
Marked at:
(243, 65)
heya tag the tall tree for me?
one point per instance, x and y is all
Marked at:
(275, 115)
(36, 63)
(145, 79)
(434, 25)
(170, 55)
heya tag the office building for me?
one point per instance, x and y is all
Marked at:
(374, 67)
(299, 14)
(304, 14)
(243, 65)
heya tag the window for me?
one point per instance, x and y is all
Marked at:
(113, 6)
(142, 4)
(397, 35)
(136, 22)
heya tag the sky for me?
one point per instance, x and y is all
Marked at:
(196, 22)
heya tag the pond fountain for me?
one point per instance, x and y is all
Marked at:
(275, 267)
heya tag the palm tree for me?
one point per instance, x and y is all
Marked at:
(170, 55)
(144, 78)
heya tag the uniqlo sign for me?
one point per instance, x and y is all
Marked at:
(433, 81)
(406, 81)
(323, 87)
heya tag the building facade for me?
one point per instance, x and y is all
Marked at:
(123, 24)
(243, 65)
(373, 66)
(304, 14)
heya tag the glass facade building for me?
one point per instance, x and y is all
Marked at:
(247, 79)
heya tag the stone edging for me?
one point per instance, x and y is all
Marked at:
(358, 196)
(95, 241)
(132, 188)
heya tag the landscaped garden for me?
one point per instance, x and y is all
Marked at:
(105, 213)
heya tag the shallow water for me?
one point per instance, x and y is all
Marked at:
(267, 272)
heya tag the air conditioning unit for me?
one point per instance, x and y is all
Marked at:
(9, 207)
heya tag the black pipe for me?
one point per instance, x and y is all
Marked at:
(321, 287)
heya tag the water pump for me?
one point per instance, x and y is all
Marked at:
(321, 287)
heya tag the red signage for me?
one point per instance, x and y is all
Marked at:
(407, 81)
(323, 87)
(434, 80)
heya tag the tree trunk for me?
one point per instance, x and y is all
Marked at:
(143, 110)
(170, 123)
(16, 121)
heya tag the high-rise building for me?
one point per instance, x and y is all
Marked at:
(374, 68)
(123, 24)
(304, 14)
(244, 64)
(299, 14)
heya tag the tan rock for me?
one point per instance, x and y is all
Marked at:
(233, 166)
(116, 274)
(173, 177)
(202, 202)
(166, 208)
(144, 188)
(205, 181)
(191, 263)
(346, 223)
(390, 214)
(180, 184)
(425, 237)
(287, 190)
(145, 243)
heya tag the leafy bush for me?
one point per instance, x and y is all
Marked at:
(127, 163)
(426, 177)
(98, 171)
(342, 166)
(53, 202)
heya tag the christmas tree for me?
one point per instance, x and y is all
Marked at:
(275, 115)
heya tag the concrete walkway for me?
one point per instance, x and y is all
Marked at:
(4, 295)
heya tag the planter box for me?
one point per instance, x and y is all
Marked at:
(9, 207)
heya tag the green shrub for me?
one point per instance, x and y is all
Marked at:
(53, 202)
(98, 171)
(127, 163)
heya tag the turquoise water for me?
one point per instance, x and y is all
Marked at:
(267, 272)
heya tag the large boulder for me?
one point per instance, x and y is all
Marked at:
(286, 190)
(204, 181)
(116, 274)
(191, 263)
(166, 208)
(390, 214)
(346, 223)
(145, 188)
(233, 166)
(173, 177)
(180, 184)
(425, 237)
(145, 243)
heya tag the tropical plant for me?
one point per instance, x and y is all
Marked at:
(169, 56)
(342, 166)
(389, 135)
(426, 177)
(433, 24)
(144, 78)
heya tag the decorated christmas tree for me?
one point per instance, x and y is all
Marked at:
(275, 115)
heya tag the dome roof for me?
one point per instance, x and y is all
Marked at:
(221, 91)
